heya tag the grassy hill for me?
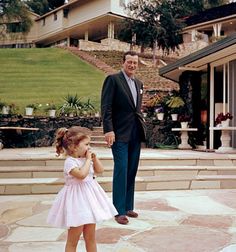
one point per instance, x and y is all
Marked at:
(46, 75)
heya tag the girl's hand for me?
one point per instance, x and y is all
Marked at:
(88, 154)
(93, 155)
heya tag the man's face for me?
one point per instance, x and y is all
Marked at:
(130, 65)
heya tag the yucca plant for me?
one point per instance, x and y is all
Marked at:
(72, 104)
(88, 107)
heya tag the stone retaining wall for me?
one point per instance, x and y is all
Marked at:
(47, 127)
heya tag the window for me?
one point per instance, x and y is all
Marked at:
(55, 16)
(65, 13)
(15, 27)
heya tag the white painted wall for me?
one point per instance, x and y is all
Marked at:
(81, 13)
(87, 11)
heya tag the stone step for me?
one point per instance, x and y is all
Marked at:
(98, 143)
(34, 159)
(97, 129)
(97, 133)
(97, 138)
(57, 171)
(149, 183)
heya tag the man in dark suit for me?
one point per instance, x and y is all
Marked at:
(124, 130)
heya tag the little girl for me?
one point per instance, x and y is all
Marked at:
(82, 202)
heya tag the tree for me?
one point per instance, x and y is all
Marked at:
(39, 7)
(184, 8)
(53, 4)
(214, 3)
(192, 7)
(14, 11)
(156, 24)
(43, 6)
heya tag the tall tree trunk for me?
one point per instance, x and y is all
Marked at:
(154, 50)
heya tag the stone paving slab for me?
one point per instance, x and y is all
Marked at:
(169, 221)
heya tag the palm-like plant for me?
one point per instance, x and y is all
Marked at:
(88, 106)
(72, 104)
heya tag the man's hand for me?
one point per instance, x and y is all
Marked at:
(110, 138)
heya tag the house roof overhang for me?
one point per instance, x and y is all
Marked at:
(96, 26)
(217, 13)
(198, 61)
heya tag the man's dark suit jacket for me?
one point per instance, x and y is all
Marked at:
(119, 113)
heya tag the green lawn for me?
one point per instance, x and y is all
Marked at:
(46, 75)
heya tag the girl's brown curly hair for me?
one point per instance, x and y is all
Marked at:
(66, 137)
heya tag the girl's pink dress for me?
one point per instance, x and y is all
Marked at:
(80, 202)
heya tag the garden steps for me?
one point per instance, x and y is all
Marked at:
(13, 186)
(38, 170)
(52, 171)
(48, 178)
(97, 137)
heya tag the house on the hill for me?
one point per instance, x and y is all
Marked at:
(12, 36)
(76, 23)
(94, 25)
(210, 25)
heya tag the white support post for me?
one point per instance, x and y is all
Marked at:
(111, 30)
(212, 102)
(86, 36)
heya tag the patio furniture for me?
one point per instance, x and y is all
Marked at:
(225, 139)
(184, 137)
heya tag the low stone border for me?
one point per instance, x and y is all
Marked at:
(47, 127)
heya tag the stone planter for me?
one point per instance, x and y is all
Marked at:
(29, 111)
(5, 110)
(160, 116)
(52, 113)
(225, 123)
(174, 117)
(184, 125)
(144, 114)
(97, 114)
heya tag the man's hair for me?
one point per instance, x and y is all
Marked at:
(131, 53)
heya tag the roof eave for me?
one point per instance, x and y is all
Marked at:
(211, 49)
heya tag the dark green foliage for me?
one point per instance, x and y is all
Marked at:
(38, 6)
(12, 10)
(43, 6)
(53, 4)
(159, 23)
(155, 24)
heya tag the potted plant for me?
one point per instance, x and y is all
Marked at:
(71, 106)
(144, 111)
(97, 114)
(223, 119)
(13, 109)
(88, 108)
(159, 113)
(29, 109)
(184, 120)
(154, 102)
(51, 109)
(175, 103)
(4, 107)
